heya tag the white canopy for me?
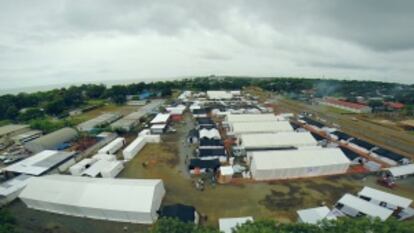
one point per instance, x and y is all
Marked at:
(365, 207)
(161, 118)
(124, 200)
(385, 197)
(209, 133)
(402, 170)
(228, 224)
(314, 215)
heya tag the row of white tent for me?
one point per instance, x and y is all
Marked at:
(369, 201)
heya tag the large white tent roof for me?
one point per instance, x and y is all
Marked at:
(233, 118)
(101, 193)
(282, 139)
(219, 95)
(40, 163)
(261, 127)
(282, 159)
(385, 197)
(365, 207)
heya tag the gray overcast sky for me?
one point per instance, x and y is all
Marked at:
(56, 41)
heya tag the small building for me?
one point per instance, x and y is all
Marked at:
(47, 161)
(206, 143)
(184, 213)
(384, 199)
(212, 153)
(226, 174)
(9, 190)
(199, 113)
(228, 225)
(129, 121)
(205, 123)
(198, 166)
(81, 166)
(121, 200)
(209, 134)
(113, 146)
(176, 112)
(355, 207)
(52, 140)
(288, 164)
(161, 119)
(315, 215)
(27, 136)
(158, 128)
(104, 168)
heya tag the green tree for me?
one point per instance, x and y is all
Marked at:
(30, 114)
(7, 222)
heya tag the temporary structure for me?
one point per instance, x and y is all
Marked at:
(276, 140)
(43, 162)
(314, 215)
(227, 225)
(209, 133)
(113, 146)
(51, 141)
(78, 168)
(123, 200)
(104, 168)
(354, 206)
(161, 118)
(402, 171)
(233, 118)
(9, 190)
(384, 199)
(104, 157)
(286, 164)
(133, 148)
(260, 127)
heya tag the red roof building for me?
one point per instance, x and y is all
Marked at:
(345, 105)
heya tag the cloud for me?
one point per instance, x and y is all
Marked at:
(60, 41)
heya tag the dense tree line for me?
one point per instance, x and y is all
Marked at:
(58, 101)
(343, 225)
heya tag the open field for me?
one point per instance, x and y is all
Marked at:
(385, 136)
(123, 109)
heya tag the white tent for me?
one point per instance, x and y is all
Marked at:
(228, 224)
(78, 168)
(9, 190)
(161, 118)
(353, 206)
(123, 200)
(219, 95)
(133, 148)
(113, 146)
(286, 164)
(209, 133)
(233, 118)
(104, 157)
(277, 140)
(384, 199)
(43, 162)
(260, 127)
(401, 171)
(104, 168)
(314, 215)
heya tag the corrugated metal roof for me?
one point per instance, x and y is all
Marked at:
(261, 127)
(276, 140)
(385, 197)
(365, 207)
